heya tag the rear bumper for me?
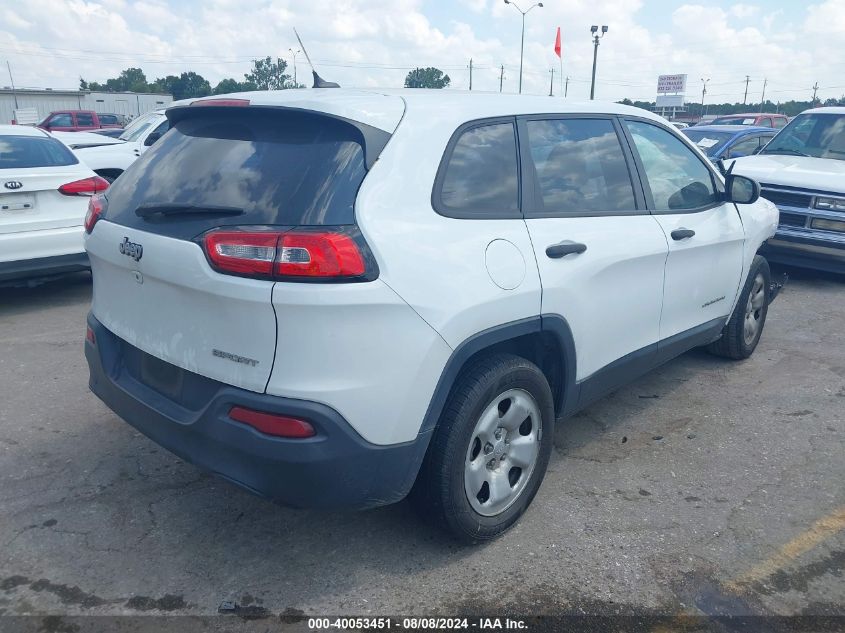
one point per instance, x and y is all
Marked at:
(42, 267)
(807, 248)
(334, 469)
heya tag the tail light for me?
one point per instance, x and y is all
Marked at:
(90, 337)
(96, 206)
(287, 255)
(85, 187)
(272, 423)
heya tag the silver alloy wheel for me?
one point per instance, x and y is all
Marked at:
(502, 452)
(754, 309)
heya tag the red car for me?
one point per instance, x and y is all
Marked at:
(78, 121)
(761, 119)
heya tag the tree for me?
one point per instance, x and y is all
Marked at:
(269, 75)
(426, 78)
(185, 86)
(232, 85)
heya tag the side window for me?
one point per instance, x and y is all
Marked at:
(780, 122)
(579, 167)
(61, 120)
(745, 147)
(767, 122)
(84, 119)
(480, 177)
(108, 119)
(677, 178)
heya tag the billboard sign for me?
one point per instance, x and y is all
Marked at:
(670, 101)
(671, 84)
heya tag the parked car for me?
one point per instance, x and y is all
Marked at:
(802, 170)
(43, 201)
(110, 160)
(758, 119)
(729, 141)
(680, 124)
(334, 298)
(76, 140)
(77, 121)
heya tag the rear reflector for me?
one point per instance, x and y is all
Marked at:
(95, 211)
(273, 424)
(284, 255)
(89, 336)
(85, 187)
(222, 102)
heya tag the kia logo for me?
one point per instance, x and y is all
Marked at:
(13, 184)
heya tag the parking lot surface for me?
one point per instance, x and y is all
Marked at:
(707, 486)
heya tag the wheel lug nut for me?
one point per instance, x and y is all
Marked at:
(488, 448)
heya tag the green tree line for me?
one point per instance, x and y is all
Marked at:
(789, 108)
(266, 74)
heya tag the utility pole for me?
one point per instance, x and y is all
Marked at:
(763, 99)
(294, 54)
(815, 90)
(566, 90)
(501, 77)
(14, 94)
(470, 73)
(552, 82)
(703, 92)
(596, 37)
(745, 98)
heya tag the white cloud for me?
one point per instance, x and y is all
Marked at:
(375, 42)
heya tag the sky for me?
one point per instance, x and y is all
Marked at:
(789, 44)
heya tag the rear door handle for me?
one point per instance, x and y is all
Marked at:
(682, 234)
(556, 251)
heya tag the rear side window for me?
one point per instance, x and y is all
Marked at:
(84, 119)
(479, 177)
(579, 167)
(675, 176)
(278, 168)
(22, 152)
(780, 122)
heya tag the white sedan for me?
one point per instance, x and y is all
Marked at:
(44, 194)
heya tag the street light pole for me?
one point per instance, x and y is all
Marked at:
(294, 53)
(596, 37)
(703, 92)
(522, 40)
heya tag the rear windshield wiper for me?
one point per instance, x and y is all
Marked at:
(151, 210)
(785, 150)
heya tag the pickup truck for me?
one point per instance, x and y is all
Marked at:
(802, 170)
(78, 121)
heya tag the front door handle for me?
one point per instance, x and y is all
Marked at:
(682, 234)
(556, 251)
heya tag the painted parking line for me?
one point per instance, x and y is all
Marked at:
(804, 542)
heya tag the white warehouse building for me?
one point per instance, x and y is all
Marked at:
(45, 101)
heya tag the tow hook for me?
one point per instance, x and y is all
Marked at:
(776, 286)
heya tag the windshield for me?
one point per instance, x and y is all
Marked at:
(820, 135)
(734, 120)
(33, 151)
(708, 142)
(138, 126)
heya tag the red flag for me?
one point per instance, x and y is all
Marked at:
(557, 43)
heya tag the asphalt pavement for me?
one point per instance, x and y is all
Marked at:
(706, 487)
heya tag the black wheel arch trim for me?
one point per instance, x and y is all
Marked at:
(551, 323)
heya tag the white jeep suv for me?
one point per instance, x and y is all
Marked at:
(334, 298)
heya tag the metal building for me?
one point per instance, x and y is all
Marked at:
(46, 101)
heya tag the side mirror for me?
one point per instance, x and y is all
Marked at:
(152, 138)
(758, 150)
(741, 190)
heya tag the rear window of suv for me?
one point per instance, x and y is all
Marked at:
(23, 152)
(283, 168)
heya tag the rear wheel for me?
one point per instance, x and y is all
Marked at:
(490, 450)
(742, 333)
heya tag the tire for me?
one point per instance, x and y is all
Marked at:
(490, 449)
(742, 333)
